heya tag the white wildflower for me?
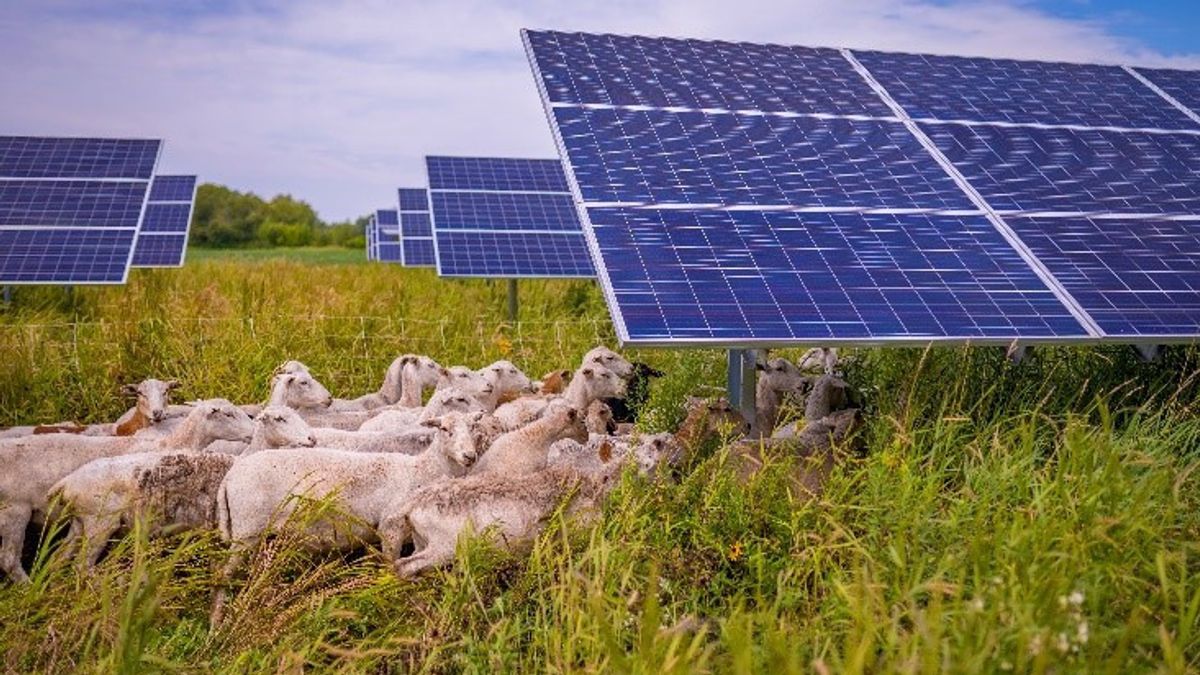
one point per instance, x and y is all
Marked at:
(1063, 644)
(1081, 633)
(1035, 645)
(1076, 598)
(976, 605)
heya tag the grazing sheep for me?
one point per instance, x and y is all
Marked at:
(36, 463)
(262, 489)
(415, 375)
(607, 358)
(524, 450)
(451, 399)
(151, 407)
(777, 378)
(708, 420)
(512, 510)
(819, 360)
(647, 452)
(590, 383)
(507, 382)
(599, 418)
(274, 427)
(814, 446)
(281, 423)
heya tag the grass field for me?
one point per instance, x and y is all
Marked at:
(1037, 517)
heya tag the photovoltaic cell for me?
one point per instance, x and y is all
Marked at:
(1182, 85)
(1004, 90)
(95, 158)
(418, 253)
(416, 232)
(416, 225)
(1053, 201)
(70, 208)
(162, 239)
(499, 217)
(387, 219)
(414, 199)
(495, 174)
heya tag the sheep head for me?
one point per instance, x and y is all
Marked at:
(219, 419)
(282, 427)
(153, 397)
(300, 390)
(506, 378)
(599, 418)
(779, 375)
(454, 436)
(601, 382)
(607, 358)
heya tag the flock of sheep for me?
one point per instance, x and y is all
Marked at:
(489, 451)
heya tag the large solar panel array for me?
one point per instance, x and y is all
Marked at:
(70, 208)
(506, 218)
(162, 239)
(416, 232)
(387, 233)
(740, 194)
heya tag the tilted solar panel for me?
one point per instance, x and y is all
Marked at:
(387, 224)
(70, 208)
(416, 231)
(742, 195)
(162, 239)
(1182, 86)
(508, 218)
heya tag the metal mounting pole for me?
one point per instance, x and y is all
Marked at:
(1147, 352)
(1017, 353)
(741, 381)
(513, 303)
(8, 295)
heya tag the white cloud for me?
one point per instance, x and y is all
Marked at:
(337, 102)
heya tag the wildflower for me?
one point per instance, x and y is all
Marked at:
(976, 605)
(735, 551)
(1063, 643)
(1006, 665)
(1081, 633)
(1076, 598)
(1035, 645)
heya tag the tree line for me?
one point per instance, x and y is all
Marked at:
(226, 218)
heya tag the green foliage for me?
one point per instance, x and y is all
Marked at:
(226, 218)
(1032, 517)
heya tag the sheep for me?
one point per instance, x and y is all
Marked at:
(819, 360)
(274, 427)
(446, 400)
(151, 407)
(599, 418)
(524, 450)
(777, 377)
(553, 382)
(707, 420)
(514, 510)
(507, 382)
(415, 375)
(607, 358)
(829, 394)
(282, 423)
(261, 488)
(38, 462)
(814, 446)
(647, 452)
(590, 383)
(637, 390)
(175, 491)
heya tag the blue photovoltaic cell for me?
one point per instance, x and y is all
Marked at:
(173, 189)
(159, 250)
(414, 199)
(495, 174)
(1001, 90)
(513, 254)
(1182, 85)
(166, 217)
(1032, 169)
(656, 157)
(1134, 277)
(501, 211)
(72, 203)
(663, 72)
(418, 253)
(33, 157)
(387, 218)
(389, 252)
(746, 275)
(65, 256)
(413, 224)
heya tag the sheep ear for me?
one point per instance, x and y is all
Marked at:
(565, 374)
(290, 378)
(129, 390)
(588, 372)
(572, 414)
(173, 385)
(605, 451)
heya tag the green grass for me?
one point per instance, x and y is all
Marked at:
(315, 255)
(1038, 517)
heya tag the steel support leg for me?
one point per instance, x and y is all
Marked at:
(741, 381)
(513, 302)
(1147, 352)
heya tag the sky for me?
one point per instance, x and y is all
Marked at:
(338, 101)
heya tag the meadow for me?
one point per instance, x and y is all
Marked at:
(1034, 517)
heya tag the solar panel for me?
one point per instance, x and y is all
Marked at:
(1180, 86)
(387, 223)
(743, 195)
(162, 239)
(70, 208)
(502, 217)
(416, 232)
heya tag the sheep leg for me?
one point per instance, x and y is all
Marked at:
(236, 555)
(13, 519)
(96, 533)
(431, 556)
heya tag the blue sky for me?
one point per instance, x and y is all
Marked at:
(338, 101)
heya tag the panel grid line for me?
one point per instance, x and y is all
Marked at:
(1167, 97)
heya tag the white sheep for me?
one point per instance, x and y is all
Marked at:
(512, 510)
(151, 407)
(607, 358)
(819, 360)
(590, 383)
(283, 427)
(507, 382)
(36, 463)
(263, 489)
(524, 450)
(446, 400)
(776, 379)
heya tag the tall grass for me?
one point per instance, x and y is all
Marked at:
(1032, 517)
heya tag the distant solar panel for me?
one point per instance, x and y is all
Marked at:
(387, 223)
(70, 208)
(162, 239)
(742, 195)
(416, 232)
(369, 232)
(508, 218)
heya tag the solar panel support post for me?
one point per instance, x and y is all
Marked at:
(1017, 353)
(1148, 353)
(8, 295)
(513, 303)
(741, 381)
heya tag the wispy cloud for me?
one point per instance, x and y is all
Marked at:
(337, 102)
